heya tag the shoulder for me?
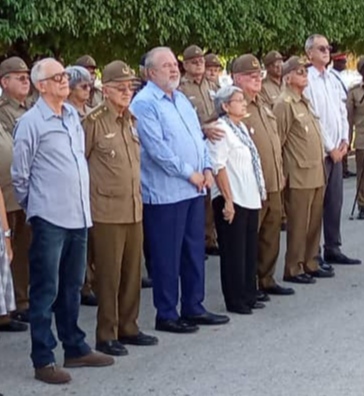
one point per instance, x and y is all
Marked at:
(355, 87)
(185, 81)
(3, 102)
(96, 113)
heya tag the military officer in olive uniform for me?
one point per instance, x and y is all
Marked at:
(89, 63)
(355, 106)
(213, 68)
(113, 154)
(304, 170)
(14, 102)
(263, 129)
(272, 83)
(200, 92)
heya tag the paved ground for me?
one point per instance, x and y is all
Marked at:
(310, 344)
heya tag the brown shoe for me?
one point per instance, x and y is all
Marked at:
(93, 359)
(52, 374)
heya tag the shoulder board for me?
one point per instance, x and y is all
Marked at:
(3, 102)
(358, 85)
(287, 99)
(97, 112)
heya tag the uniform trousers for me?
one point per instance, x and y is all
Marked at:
(117, 252)
(304, 223)
(238, 243)
(270, 217)
(88, 286)
(359, 159)
(21, 239)
(175, 237)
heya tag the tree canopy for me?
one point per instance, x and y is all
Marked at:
(110, 29)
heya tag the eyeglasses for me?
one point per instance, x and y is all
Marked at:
(85, 86)
(237, 100)
(324, 48)
(57, 78)
(301, 72)
(256, 76)
(129, 88)
(198, 61)
(22, 79)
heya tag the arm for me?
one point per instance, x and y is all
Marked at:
(283, 112)
(88, 127)
(350, 106)
(25, 147)
(5, 225)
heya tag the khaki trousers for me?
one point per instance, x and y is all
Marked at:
(304, 223)
(210, 230)
(88, 286)
(270, 217)
(117, 252)
(21, 239)
(359, 159)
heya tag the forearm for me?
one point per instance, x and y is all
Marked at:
(3, 217)
(223, 184)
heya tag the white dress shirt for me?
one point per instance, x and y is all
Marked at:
(326, 96)
(232, 154)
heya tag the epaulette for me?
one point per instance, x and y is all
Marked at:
(3, 102)
(97, 112)
(288, 99)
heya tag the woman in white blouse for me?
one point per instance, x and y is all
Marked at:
(236, 200)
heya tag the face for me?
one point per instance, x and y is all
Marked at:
(92, 71)
(212, 73)
(54, 83)
(319, 54)
(340, 65)
(236, 107)
(195, 66)
(81, 91)
(165, 72)
(252, 82)
(275, 69)
(16, 85)
(298, 78)
(119, 93)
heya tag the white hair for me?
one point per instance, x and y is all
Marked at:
(37, 72)
(311, 40)
(150, 57)
(224, 95)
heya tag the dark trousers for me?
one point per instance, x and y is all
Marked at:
(238, 243)
(176, 243)
(57, 262)
(333, 201)
(146, 254)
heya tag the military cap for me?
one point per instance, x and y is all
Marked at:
(271, 57)
(13, 65)
(212, 60)
(191, 52)
(246, 64)
(339, 57)
(293, 63)
(360, 64)
(117, 71)
(86, 61)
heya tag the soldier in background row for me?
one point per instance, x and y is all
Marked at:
(213, 68)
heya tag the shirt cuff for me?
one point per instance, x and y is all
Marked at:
(187, 171)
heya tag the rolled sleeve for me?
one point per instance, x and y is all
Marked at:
(219, 154)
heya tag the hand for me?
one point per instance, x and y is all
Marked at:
(198, 180)
(9, 250)
(229, 211)
(209, 179)
(343, 148)
(213, 132)
(336, 155)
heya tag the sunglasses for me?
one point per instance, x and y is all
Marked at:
(324, 48)
(196, 62)
(130, 88)
(57, 78)
(85, 86)
(301, 72)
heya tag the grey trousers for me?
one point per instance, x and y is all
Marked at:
(333, 202)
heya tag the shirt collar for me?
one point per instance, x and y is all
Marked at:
(294, 95)
(16, 104)
(125, 116)
(47, 113)
(316, 73)
(158, 92)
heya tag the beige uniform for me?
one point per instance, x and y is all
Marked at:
(10, 111)
(113, 154)
(270, 91)
(263, 129)
(303, 166)
(355, 106)
(202, 98)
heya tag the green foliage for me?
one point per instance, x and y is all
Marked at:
(110, 29)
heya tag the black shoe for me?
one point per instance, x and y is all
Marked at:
(147, 283)
(175, 326)
(89, 300)
(257, 305)
(113, 348)
(208, 318)
(278, 290)
(140, 339)
(262, 296)
(348, 174)
(321, 273)
(21, 316)
(13, 326)
(212, 251)
(361, 214)
(242, 310)
(341, 258)
(302, 279)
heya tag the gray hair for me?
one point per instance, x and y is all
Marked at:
(311, 40)
(150, 57)
(37, 72)
(77, 75)
(224, 95)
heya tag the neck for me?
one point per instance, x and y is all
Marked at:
(234, 119)
(55, 104)
(321, 68)
(252, 95)
(78, 104)
(297, 90)
(21, 99)
(119, 110)
(277, 80)
(198, 78)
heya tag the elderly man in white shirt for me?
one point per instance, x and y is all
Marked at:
(325, 93)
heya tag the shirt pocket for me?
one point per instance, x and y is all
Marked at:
(106, 146)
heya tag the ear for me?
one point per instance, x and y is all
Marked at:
(39, 86)
(225, 107)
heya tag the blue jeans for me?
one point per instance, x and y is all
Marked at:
(57, 260)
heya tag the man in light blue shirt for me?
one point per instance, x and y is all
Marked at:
(175, 172)
(51, 182)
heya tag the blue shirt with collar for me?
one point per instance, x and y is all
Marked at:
(172, 145)
(49, 170)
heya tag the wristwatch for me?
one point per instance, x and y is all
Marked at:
(7, 233)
